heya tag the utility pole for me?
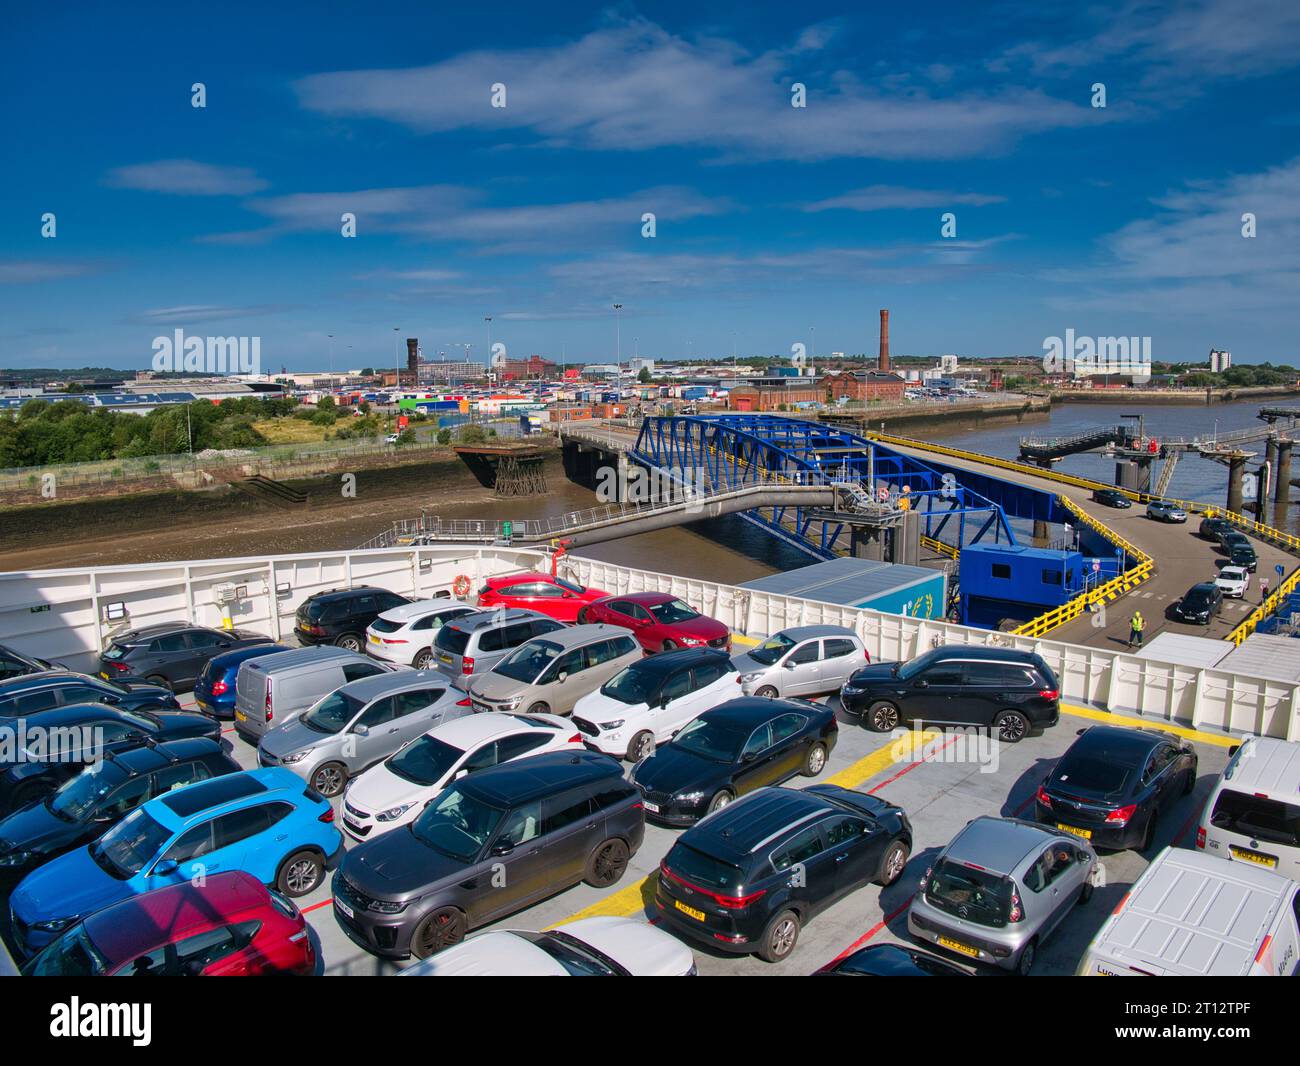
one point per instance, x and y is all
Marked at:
(397, 354)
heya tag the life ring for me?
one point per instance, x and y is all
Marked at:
(461, 585)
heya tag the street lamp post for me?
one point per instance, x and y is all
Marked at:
(331, 337)
(618, 339)
(397, 355)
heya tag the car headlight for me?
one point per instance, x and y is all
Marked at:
(693, 797)
(383, 906)
(393, 812)
(606, 727)
(296, 756)
(15, 858)
(749, 678)
(510, 705)
(54, 925)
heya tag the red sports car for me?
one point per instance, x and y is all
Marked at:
(551, 596)
(660, 621)
(232, 925)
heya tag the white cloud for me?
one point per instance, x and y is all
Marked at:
(890, 197)
(185, 177)
(28, 271)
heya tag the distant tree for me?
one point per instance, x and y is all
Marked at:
(644, 376)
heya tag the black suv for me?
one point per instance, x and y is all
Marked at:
(170, 654)
(101, 795)
(35, 693)
(751, 875)
(16, 664)
(1239, 549)
(38, 755)
(491, 844)
(341, 616)
(1002, 688)
(1214, 528)
(1112, 498)
(1200, 604)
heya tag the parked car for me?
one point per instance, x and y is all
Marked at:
(1201, 604)
(1214, 528)
(14, 663)
(273, 689)
(1193, 915)
(101, 795)
(170, 654)
(999, 889)
(341, 616)
(1233, 581)
(1239, 549)
(801, 661)
(73, 737)
(660, 621)
(214, 689)
(476, 643)
(1164, 511)
(394, 793)
(1113, 784)
(1112, 498)
(490, 845)
(727, 881)
(230, 925)
(404, 635)
(263, 822)
(1252, 815)
(892, 960)
(731, 750)
(359, 724)
(650, 700)
(605, 946)
(1008, 690)
(548, 675)
(35, 693)
(552, 596)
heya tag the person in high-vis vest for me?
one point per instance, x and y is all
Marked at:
(1136, 624)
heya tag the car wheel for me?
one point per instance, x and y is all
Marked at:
(670, 645)
(1086, 894)
(893, 864)
(300, 874)
(768, 691)
(423, 659)
(350, 642)
(1011, 726)
(329, 779)
(881, 717)
(441, 929)
(1026, 961)
(815, 763)
(780, 937)
(607, 864)
(582, 616)
(641, 746)
(719, 801)
(160, 681)
(539, 708)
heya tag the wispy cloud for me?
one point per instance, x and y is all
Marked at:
(193, 313)
(29, 271)
(894, 197)
(186, 177)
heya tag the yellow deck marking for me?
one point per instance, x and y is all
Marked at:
(1111, 718)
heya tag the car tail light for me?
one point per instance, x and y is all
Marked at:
(1017, 912)
(219, 688)
(269, 712)
(1049, 693)
(315, 631)
(328, 816)
(467, 665)
(1043, 797)
(1121, 816)
(120, 667)
(387, 641)
(734, 903)
(576, 738)
(466, 702)
(1200, 837)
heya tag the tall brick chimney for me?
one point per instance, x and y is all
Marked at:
(883, 364)
(413, 360)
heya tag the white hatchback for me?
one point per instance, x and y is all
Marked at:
(1234, 580)
(405, 634)
(393, 793)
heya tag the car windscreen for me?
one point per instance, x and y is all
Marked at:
(457, 825)
(314, 611)
(1256, 816)
(386, 625)
(77, 796)
(672, 612)
(1091, 773)
(569, 585)
(978, 896)
(452, 640)
(911, 669)
(114, 652)
(333, 713)
(631, 685)
(571, 953)
(124, 849)
(425, 761)
(72, 955)
(716, 741)
(527, 661)
(1197, 599)
(704, 870)
(771, 649)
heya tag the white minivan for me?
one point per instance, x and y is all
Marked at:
(1192, 915)
(1253, 812)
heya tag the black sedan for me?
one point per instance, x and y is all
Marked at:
(734, 748)
(38, 755)
(892, 960)
(1112, 498)
(171, 654)
(1200, 604)
(36, 693)
(1113, 784)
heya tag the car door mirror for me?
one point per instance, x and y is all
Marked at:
(361, 730)
(922, 683)
(562, 676)
(789, 664)
(462, 772)
(164, 868)
(502, 847)
(108, 698)
(749, 756)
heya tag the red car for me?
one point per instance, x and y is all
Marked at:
(551, 596)
(660, 621)
(231, 926)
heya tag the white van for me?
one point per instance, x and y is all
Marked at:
(1192, 915)
(1253, 812)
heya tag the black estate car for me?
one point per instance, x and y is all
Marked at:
(170, 654)
(1112, 498)
(1112, 785)
(101, 795)
(1005, 689)
(489, 845)
(1239, 549)
(35, 693)
(1200, 604)
(15, 664)
(733, 749)
(749, 877)
(39, 754)
(341, 616)
(1214, 528)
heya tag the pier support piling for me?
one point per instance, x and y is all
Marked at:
(1236, 468)
(1282, 480)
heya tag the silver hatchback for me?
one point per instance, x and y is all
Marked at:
(801, 661)
(999, 889)
(360, 724)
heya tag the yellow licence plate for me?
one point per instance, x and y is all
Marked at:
(241, 716)
(1253, 856)
(103, 674)
(697, 915)
(959, 947)
(1085, 833)
(374, 639)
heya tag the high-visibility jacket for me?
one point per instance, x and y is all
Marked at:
(1138, 622)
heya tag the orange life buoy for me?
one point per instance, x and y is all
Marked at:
(461, 585)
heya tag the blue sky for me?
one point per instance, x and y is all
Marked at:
(775, 224)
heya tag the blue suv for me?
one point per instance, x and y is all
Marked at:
(214, 688)
(264, 822)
